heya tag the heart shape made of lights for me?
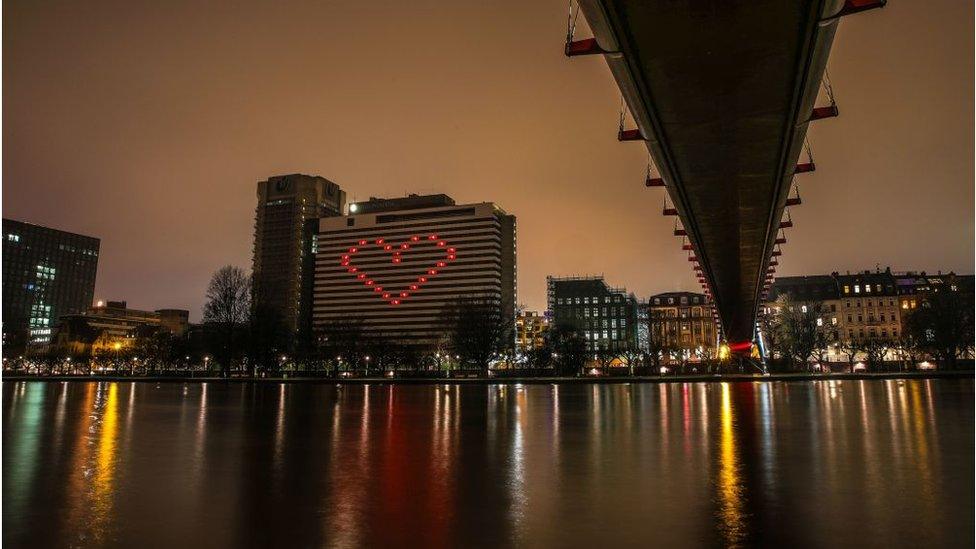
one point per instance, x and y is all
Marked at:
(396, 251)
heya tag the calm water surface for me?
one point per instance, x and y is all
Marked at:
(833, 463)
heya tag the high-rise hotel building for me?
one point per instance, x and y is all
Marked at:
(285, 221)
(394, 264)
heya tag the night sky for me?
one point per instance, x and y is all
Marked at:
(148, 124)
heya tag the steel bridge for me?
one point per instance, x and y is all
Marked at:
(722, 93)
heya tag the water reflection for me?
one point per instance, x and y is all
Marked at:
(730, 489)
(841, 463)
(103, 492)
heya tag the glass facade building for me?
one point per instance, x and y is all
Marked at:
(47, 273)
(607, 317)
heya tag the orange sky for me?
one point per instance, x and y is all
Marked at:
(148, 124)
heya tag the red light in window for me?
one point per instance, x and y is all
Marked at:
(396, 297)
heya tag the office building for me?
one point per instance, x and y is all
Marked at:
(530, 331)
(682, 321)
(114, 327)
(605, 316)
(394, 264)
(286, 217)
(47, 273)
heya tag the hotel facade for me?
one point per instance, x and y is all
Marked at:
(393, 265)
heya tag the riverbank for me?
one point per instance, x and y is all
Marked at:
(698, 378)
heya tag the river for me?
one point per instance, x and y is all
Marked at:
(825, 463)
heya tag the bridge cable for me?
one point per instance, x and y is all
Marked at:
(829, 88)
(621, 124)
(571, 22)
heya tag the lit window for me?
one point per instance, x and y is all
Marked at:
(819, 322)
(803, 308)
(13, 237)
(847, 289)
(857, 289)
(833, 321)
(867, 288)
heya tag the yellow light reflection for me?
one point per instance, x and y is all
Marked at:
(105, 462)
(729, 478)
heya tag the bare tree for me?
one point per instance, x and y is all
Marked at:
(568, 349)
(342, 343)
(228, 310)
(633, 356)
(268, 338)
(875, 349)
(604, 358)
(478, 330)
(797, 329)
(851, 348)
(909, 350)
(943, 325)
(382, 353)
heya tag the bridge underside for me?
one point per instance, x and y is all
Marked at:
(721, 91)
